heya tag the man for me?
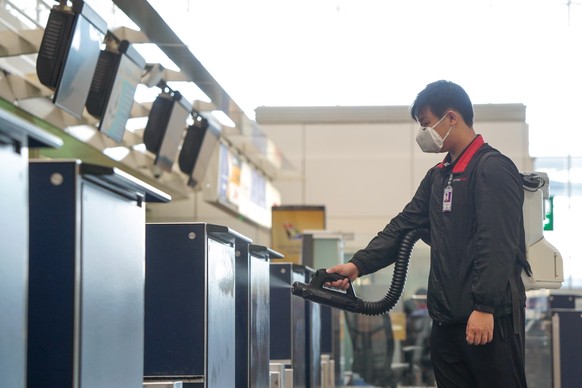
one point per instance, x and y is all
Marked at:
(472, 203)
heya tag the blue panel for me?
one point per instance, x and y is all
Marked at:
(327, 329)
(570, 351)
(51, 300)
(174, 305)
(281, 312)
(562, 301)
(288, 319)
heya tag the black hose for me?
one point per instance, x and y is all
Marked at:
(316, 292)
(398, 278)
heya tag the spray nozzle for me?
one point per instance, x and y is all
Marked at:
(316, 291)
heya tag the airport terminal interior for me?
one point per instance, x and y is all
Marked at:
(172, 193)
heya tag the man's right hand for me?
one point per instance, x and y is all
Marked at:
(349, 269)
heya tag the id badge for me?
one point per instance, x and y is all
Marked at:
(448, 199)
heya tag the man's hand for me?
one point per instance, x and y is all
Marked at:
(479, 328)
(350, 270)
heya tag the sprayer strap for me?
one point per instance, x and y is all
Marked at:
(521, 260)
(515, 307)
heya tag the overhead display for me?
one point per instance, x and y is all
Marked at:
(68, 54)
(165, 128)
(112, 92)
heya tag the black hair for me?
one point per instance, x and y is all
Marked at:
(441, 95)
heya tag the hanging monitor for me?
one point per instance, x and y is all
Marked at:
(113, 88)
(69, 52)
(165, 127)
(200, 141)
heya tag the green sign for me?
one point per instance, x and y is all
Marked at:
(549, 219)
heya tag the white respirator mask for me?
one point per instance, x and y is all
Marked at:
(429, 140)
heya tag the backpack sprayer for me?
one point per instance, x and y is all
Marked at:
(347, 300)
(544, 259)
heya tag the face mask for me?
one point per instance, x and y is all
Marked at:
(429, 140)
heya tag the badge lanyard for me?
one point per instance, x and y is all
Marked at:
(448, 196)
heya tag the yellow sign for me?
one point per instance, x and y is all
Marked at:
(288, 224)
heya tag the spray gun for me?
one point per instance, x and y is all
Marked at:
(347, 300)
(316, 291)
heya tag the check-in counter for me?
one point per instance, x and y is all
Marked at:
(553, 333)
(190, 304)
(288, 322)
(324, 249)
(86, 286)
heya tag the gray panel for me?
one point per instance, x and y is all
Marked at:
(313, 338)
(78, 71)
(538, 356)
(170, 384)
(13, 265)
(299, 332)
(259, 325)
(112, 290)
(221, 350)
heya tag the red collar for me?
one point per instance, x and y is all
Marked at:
(461, 163)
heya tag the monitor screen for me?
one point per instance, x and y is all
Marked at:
(165, 128)
(229, 177)
(113, 88)
(68, 54)
(241, 188)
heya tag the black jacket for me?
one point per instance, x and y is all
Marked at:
(476, 248)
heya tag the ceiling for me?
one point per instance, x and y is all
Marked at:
(381, 53)
(23, 93)
(333, 53)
